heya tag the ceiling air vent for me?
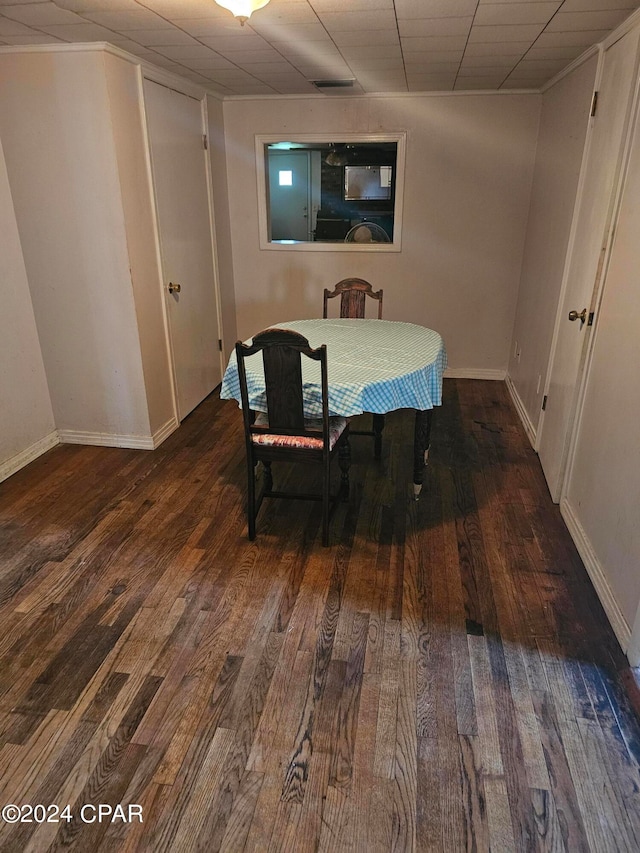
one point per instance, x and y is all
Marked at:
(334, 84)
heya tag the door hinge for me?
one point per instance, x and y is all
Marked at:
(205, 141)
(590, 320)
(220, 344)
(594, 103)
(544, 402)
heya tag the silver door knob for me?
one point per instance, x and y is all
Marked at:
(582, 316)
(174, 288)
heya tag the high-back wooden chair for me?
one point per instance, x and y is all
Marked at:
(353, 293)
(283, 434)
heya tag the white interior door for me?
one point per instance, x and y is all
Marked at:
(176, 125)
(289, 195)
(590, 241)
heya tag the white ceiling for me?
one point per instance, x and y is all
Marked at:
(386, 45)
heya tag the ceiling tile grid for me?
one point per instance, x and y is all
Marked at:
(380, 45)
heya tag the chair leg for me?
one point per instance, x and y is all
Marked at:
(251, 498)
(344, 461)
(378, 426)
(268, 477)
(326, 485)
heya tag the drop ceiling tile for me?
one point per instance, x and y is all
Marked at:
(491, 60)
(549, 67)
(574, 21)
(165, 36)
(597, 5)
(380, 51)
(177, 9)
(142, 19)
(290, 32)
(435, 26)
(484, 82)
(80, 32)
(312, 50)
(424, 82)
(428, 43)
(583, 38)
(228, 44)
(567, 53)
(259, 69)
(497, 48)
(435, 8)
(411, 60)
(525, 32)
(133, 47)
(371, 63)
(187, 51)
(347, 21)
(97, 5)
(432, 67)
(13, 28)
(36, 38)
(211, 63)
(389, 36)
(40, 15)
(491, 14)
(253, 56)
(297, 12)
(210, 27)
(322, 6)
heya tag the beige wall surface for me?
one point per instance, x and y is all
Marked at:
(604, 483)
(563, 127)
(26, 417)
(129, 134)
(59, 149)
(222, 225)
(469, 167)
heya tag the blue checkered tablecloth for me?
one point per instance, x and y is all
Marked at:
(372, 365)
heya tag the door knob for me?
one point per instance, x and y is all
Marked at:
(582, 316)
(174, 288)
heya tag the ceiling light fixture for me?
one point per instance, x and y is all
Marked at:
(242, 9)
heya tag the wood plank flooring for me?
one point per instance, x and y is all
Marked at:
(442, 678)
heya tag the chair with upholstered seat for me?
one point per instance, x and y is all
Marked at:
(353, 293)
(283, 433)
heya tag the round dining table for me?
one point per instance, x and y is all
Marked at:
(373, 366)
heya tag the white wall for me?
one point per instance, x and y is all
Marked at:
(603, 491)
(222, 224)
(469, 168)
(124, 86)
(56, 126)
(26, 417)
(563, 127)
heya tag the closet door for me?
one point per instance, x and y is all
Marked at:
(176, 125)
(590, 241)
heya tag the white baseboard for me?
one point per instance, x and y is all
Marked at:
(165, 431)
(598, 577)
(15, 463)
(106, 439)
(473, 373)
(522, 412)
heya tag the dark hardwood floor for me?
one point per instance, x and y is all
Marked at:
(442, 678)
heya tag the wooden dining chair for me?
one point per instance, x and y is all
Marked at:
(283, 434)
(353, 293)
